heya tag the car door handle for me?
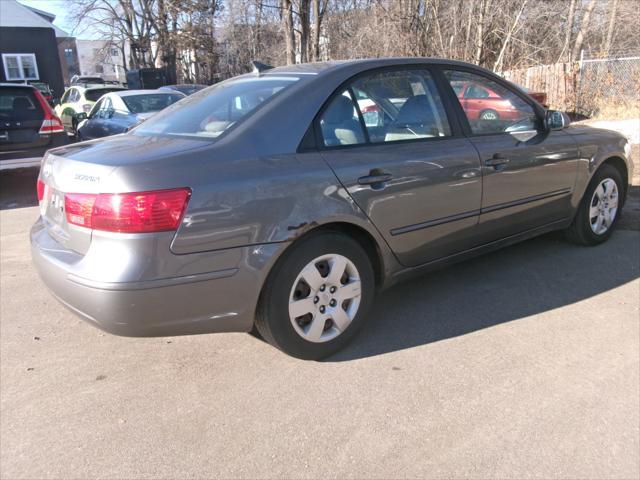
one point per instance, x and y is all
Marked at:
(496, 161)
(376, 179)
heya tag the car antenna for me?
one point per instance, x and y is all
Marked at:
(259, 67)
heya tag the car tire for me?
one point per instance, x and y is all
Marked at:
(489, 115)
(593, 224)
(315, 334)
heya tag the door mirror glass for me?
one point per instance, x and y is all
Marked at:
(81, 116)
(556, 120)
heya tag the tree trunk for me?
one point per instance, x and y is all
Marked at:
(317, 24)
(584, 25)
(566, 48)
(480, 32)
(304, 31)
(290, 39)
(611, 27)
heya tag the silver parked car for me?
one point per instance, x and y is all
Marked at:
(267, 200)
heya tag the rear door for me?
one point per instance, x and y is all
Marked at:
(528, 173)
(21, 117)
(403, 162)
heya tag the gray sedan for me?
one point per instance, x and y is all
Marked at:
(285, 198)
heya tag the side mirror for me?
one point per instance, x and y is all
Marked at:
(556, 120)
(81, 116)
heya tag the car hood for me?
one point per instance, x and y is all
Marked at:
(128, 149)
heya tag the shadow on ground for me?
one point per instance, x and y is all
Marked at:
(523, 280)
(18, 188)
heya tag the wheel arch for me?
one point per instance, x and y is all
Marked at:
(619, 164)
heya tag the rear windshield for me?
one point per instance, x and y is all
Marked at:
(95, 93)
(18, 104)
(208, 113)
(150, 102)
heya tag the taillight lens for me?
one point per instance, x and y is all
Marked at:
(51, 123)
(40, 189)
(138, 212)
(79, 208)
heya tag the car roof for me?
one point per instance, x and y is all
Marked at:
(127, 93)
(318, 68)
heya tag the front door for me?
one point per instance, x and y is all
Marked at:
(528, 173)
(388, 139)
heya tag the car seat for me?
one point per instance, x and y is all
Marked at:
(415, 120)
(339, 127)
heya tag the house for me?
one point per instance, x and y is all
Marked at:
(30, 47)
(102, 58)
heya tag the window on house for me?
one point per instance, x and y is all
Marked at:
(114, 52)
(20, 66)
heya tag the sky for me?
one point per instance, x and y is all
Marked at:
(58, 8)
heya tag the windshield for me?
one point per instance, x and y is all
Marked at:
(210, 112)
(150, 102)
(95, 93)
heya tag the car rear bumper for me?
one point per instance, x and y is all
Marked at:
(222, 300)
(11, 158)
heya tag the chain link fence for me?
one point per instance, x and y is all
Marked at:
(590, 87)
(607, 87)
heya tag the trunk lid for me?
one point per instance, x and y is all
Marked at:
(21, 117)
(102, 166)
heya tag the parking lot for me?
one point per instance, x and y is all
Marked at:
(521, 363)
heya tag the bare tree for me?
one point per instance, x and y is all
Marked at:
(584, 25)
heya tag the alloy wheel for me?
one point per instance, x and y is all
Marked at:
(604, 206)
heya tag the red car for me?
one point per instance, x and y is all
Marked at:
(480, 102)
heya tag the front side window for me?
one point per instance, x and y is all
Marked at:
(489, 106)
(20, 66)
(401, 105)
(209, 113)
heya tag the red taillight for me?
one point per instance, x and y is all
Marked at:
(40, 189)
(79, 208)
(51, 123)
(370, 109)
(138, 212)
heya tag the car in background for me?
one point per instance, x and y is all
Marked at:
(45, 90)
(186, 88)
(86, 80)
(28, 126)
(118, 112)
(80, 99)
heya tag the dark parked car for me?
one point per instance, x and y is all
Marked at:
(28, 126)
(267, 201)
(118, 112)
(186, 88)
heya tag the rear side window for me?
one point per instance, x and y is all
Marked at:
(392, 105)
(340, 123)
(19, 104)
(210, 112)
(150, 103)
(490, 107)
(401, 105)
(94, 94)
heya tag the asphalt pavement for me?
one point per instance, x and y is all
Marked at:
(524, 363)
